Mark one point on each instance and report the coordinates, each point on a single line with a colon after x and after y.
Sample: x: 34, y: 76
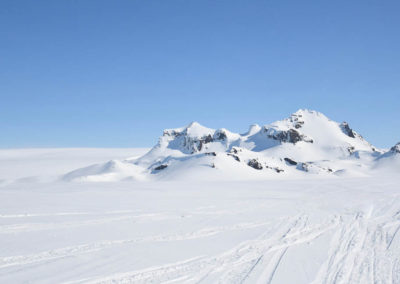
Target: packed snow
x: 206, y: 206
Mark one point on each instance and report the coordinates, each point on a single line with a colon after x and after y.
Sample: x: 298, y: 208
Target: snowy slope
x: 47, y: 164
x: 389, y: 162
x: 306, y: 143
x: 338, y: 230
x: 321, y: 231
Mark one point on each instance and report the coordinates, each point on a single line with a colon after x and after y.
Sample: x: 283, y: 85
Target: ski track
x: 28, y: 227
x: 26, y: 215
x: 363, y: 249
x: 87, y: 248
x: 232, y: 266
x: 361, y: 252
x: 145, y: 217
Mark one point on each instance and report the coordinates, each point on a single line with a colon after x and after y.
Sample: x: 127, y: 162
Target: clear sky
x: 116, y: 73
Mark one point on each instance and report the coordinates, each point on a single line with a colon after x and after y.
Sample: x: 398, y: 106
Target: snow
x: 301, y: 200
x: 26, y: 165
x: 319, y: 229
x: 317, y: 145
x: 112, y: 170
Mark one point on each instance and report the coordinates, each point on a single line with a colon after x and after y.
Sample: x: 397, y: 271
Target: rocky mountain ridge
x: 307, y: 142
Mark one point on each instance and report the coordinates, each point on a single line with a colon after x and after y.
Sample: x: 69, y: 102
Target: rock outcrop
x: 395, y: 148
x: 347, y: 130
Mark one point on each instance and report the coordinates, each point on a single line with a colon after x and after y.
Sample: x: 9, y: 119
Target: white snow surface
x: 47, y: 164
x: 319, y: 229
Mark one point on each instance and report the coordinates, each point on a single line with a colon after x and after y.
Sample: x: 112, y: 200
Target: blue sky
x: 116, y: 73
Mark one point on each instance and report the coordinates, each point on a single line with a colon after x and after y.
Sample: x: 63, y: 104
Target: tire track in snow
x: 232, y: 266
x: 88, y: 248
x: 27, y: 215
x: 29, y: 227
x: 280, y: 256
x: 361, y: 251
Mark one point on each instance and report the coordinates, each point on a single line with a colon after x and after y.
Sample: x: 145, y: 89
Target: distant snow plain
x: 310, y: 230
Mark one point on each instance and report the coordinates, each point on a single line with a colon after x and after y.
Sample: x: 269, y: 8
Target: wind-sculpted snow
x: 315, y: 144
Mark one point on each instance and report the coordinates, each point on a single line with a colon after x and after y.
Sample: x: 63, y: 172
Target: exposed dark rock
x: 276, y: 169
x: 211, y: 154
x: 255, y: 164
x: 208, y: 139
x: 298, y: 123
x: 161, y: 167
x: 347, y: 130
x: 172, y: 133
x: 351, y: 150
x: 290, y: 162
x: 202, y: 141
x: 290, y: 136
x: 306, y: 167
x: 395, y: 148
x: 220, y: 135
x: 303, y: 167
x: 235, y: 150
x: 295, y: 117
x: 234, y: 156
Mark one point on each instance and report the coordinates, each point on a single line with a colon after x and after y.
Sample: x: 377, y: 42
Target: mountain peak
x: 254, y: 128
x: 195, y: 129
x: 194, y: 124
x: 305, y: 142
x: 307, y: 111
x: 395, y: 148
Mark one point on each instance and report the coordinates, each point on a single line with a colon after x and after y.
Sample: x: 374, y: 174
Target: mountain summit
x: 307, y: 142
x: 395, y: 148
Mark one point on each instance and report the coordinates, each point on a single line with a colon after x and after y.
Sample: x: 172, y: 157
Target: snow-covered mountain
x: 395, y: 149
x: 305, y: 143
x: 389, y: 162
